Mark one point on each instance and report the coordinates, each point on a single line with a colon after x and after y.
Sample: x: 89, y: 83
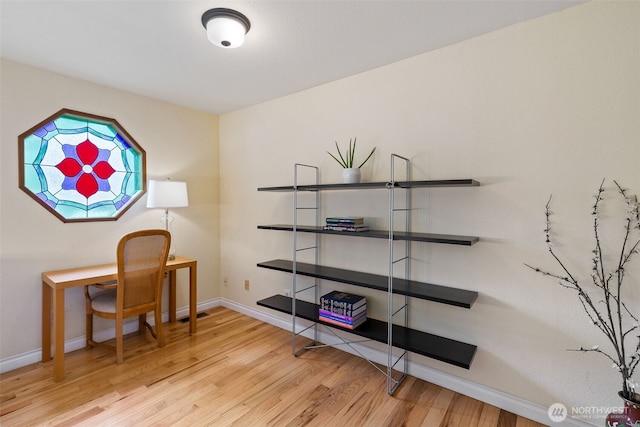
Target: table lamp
x: 167, y: 194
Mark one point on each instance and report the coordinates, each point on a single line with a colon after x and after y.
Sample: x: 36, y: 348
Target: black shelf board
x: 374, y: 185
x: 436, y: 347
x: 450, y: 239
x: 437, y: 293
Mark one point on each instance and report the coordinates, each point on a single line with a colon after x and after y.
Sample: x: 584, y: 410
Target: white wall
x: 550, y: 106
x: 32, y: 240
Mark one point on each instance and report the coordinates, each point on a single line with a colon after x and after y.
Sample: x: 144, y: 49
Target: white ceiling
x: 159, y: 48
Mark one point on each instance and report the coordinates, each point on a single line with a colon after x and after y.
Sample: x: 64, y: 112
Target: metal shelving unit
x: 400, y: 312
x: 314, y: 207
x: 394, y: 331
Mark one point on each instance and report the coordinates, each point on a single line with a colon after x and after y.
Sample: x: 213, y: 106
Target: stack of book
x: 346, y: 223
x: 343, y: 309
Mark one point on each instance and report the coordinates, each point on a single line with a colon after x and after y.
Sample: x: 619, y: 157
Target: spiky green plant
x: 347, y: 161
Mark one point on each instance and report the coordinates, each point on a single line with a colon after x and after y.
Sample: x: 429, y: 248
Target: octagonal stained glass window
x: 81, y: 167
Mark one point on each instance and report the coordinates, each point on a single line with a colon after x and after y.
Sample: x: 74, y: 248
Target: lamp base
x: 168, y: 223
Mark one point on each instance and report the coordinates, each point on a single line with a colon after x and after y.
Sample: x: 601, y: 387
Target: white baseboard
x: 77, y: 343
x: 480, y: 392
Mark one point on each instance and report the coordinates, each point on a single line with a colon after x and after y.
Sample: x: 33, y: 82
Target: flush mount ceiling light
x: 225, y: 27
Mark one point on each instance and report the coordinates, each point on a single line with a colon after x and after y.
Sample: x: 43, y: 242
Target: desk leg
x: 193, y: 300
x: 172, y: 296
x: 58, y: 324
x: 46, y: 322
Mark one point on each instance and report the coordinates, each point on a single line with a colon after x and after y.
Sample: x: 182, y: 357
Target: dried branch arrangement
x: 602, y: 297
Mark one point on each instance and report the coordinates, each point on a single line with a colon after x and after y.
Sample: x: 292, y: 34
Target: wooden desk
x: 55, y: 282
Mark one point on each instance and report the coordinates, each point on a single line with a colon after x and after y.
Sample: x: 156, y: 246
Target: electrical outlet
x: 226, y: 282
x: 246, y: 285
x: 287, y: 292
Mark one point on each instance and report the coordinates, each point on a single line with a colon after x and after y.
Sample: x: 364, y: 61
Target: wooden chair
x: 142, y: 256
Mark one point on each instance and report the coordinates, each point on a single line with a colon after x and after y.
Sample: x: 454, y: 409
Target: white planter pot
x: 351, y: 175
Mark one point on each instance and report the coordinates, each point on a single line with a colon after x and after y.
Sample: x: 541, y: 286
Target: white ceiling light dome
x: 226, y: 28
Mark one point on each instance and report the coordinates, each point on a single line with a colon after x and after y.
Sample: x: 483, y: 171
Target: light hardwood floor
x: 235, y: 371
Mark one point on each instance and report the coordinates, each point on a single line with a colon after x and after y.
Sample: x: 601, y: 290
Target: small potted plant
x: 608, y: 307
x: 350, y: 174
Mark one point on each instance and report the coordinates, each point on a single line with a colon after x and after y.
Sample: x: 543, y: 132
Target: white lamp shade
x: 227, y: 32
x: 167, y: 194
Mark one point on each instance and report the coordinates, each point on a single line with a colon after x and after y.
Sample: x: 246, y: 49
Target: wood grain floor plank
x: 489, y: 416
x: 236, y: 371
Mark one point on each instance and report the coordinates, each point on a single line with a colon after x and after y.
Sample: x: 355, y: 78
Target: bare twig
x: 616, y: 314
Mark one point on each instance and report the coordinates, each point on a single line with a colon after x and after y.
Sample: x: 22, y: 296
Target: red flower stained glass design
x: 86, y: 173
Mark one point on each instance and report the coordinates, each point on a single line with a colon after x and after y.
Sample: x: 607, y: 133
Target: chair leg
x: 89, y: 330
x: 142, y: 319
x: 159, y: 332
x: 119, y: 341
x: 88, y: 333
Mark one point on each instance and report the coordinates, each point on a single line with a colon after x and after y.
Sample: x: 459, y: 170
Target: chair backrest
x: 142, y: 256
